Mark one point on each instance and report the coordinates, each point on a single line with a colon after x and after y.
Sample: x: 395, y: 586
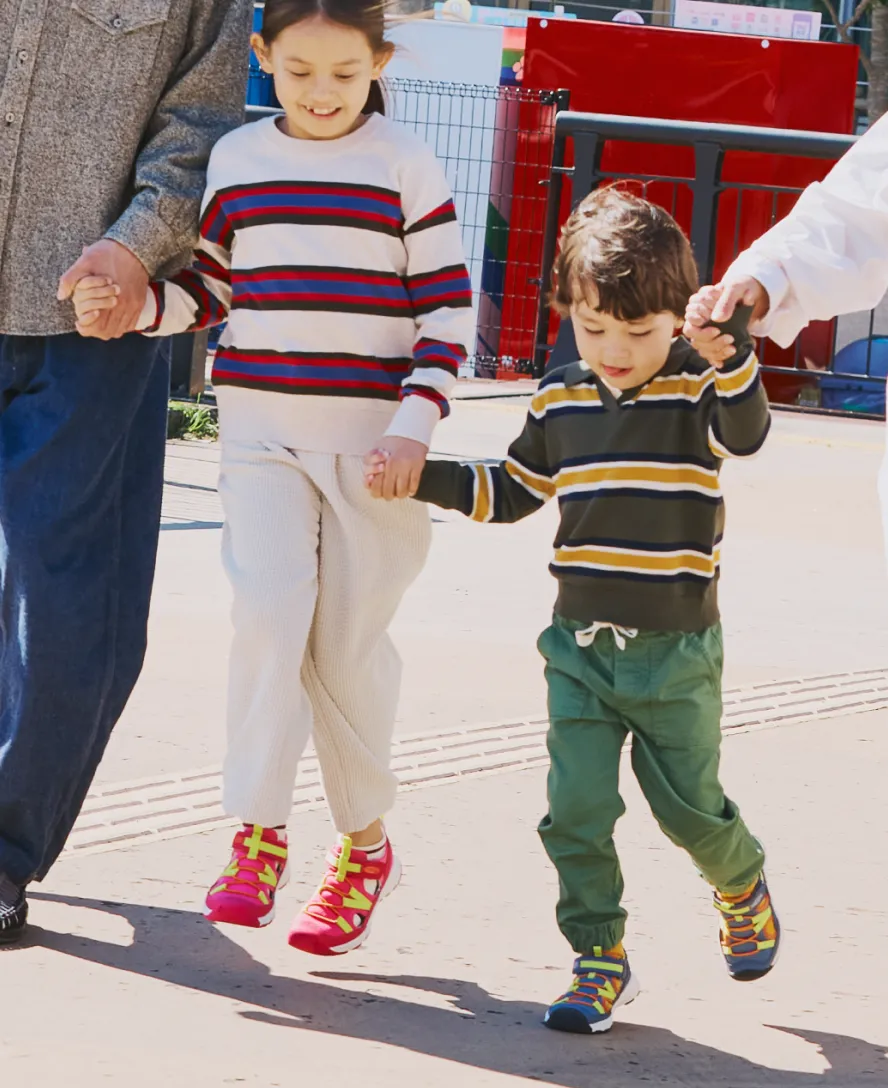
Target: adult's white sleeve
x: 829, y: 256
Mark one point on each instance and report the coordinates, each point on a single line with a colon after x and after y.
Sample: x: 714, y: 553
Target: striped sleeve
x: 740, y: 418
x: 440, y: 293
x: 199, y: 296
x: 504, y: 492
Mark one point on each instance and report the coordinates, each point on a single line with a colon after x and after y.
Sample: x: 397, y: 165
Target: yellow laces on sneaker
x: 598, y: 981
x: 746, y: 929
x: 247, y: 884
x: 337, y: 884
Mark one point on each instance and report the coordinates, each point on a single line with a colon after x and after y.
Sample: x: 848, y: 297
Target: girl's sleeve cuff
x: 148, y: 316
x: 416, y: 418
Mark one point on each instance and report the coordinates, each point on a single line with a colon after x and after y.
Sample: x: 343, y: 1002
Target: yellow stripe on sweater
x: 737, y: 381
x: 483, y: 508
x: 557, y: 396
x: 678, y: 387
x: 645, y: 474
x: 541, y: 487
x: 632, y: 561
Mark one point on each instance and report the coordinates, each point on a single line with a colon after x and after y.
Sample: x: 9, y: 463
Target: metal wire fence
x: 495, y: 144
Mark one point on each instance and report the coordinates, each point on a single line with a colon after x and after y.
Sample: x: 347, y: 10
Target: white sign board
x: 447, y: 51
x: 746, y: 19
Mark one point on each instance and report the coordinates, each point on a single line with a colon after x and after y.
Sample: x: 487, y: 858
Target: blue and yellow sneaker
x: 602, y: 982
x: 750, y: 932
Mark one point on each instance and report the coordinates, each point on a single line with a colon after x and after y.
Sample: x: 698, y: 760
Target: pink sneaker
x: 337, y: 918
x: 244, y: 893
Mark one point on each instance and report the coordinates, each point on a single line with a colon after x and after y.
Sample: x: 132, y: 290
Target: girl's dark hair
x: 631, y: 251
x: 368, y: 16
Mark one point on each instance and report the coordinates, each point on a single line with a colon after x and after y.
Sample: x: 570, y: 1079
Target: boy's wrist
x: 737, y: 326
x: 435, y: 482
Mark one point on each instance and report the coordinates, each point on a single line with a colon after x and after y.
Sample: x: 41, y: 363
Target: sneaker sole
x: 574, y: 1022
x: 390, y: 886
x: 260, y: 923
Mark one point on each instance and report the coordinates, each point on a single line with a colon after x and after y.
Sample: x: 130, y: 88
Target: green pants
x: 663, y: 689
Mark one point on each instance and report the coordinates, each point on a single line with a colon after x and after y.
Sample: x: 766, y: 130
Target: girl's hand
x: 374, y: 465
x: 120, y: 268
x: 92, y: 295
x: 397, y: 476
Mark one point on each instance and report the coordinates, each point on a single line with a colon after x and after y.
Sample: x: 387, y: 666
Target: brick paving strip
x: 165, y: 807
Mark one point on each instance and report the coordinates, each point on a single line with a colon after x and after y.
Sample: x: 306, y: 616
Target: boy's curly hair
x: 631, y: 251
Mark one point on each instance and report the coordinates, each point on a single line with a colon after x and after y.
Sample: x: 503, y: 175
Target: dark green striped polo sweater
x: 637, y: 482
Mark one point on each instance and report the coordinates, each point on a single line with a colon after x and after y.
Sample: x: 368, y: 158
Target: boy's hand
x: 393, y: 471
x: 718, y: 304
x: 709, y: 342
x: 92, y: 295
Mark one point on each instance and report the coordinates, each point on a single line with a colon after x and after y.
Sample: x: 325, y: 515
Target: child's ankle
x: 738, y: 897
x: 371, y: 838
x: 616, y: 951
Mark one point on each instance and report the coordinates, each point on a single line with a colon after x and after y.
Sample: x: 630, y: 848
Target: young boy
x: 630, y: 440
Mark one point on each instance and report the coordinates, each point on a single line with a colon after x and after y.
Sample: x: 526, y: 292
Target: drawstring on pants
x: 587, y: 636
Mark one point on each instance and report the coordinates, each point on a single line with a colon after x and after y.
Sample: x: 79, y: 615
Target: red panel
x: 691, y: 76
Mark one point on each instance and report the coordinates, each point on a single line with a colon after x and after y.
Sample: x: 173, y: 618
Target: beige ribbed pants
x: 318, y: 567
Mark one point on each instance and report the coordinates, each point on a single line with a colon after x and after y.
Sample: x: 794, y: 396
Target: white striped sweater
x: 339, y: 268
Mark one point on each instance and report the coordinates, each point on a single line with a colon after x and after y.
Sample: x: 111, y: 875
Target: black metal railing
x: 828, y: 368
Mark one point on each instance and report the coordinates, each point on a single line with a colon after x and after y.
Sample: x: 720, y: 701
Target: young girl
x: 329, y: 241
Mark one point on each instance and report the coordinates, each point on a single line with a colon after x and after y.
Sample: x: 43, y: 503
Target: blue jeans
x: 82, y: 432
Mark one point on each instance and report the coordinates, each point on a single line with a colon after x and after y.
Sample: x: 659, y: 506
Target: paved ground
x: 123, y: 983
x: 804, y: 591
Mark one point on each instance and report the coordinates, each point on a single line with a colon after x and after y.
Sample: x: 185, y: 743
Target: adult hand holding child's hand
x: 122, y: 270
x: 93, y: 296
x: 393, y: 471
x: 717, y: 304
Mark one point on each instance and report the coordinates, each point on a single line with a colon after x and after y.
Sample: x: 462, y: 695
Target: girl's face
x: 322, y: 74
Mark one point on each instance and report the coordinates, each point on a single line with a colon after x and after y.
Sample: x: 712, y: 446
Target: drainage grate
x: 186, y: 804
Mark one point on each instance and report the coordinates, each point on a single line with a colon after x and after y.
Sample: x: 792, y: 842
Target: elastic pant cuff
x: 740, y: 885
x: 585, y: 939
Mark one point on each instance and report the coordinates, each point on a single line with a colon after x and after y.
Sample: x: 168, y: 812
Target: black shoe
x: 13, y: 912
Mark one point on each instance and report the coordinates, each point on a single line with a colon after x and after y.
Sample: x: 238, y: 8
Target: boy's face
x: 625, y: 354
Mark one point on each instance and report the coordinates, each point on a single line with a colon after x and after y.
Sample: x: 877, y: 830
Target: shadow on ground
x: 476, y: 1029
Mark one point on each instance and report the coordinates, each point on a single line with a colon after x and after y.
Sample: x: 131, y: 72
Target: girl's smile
x: 323, y: 72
